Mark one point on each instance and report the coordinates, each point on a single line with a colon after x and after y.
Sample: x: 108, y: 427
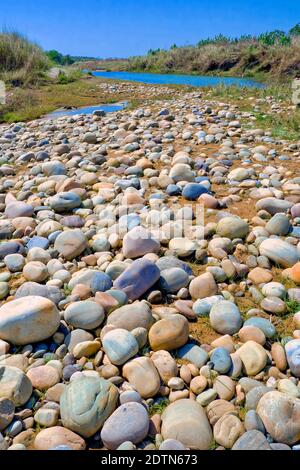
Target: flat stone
x: 252, y: 440
x: 58, y: 436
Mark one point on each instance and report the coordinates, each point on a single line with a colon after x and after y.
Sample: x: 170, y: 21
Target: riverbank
x: 27, y: 104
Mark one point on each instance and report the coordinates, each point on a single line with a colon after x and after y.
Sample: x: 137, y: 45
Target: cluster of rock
x: 127, y: 323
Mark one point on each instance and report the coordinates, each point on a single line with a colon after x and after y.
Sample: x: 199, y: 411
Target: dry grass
x: 245, y: 57
x: 21, y: 61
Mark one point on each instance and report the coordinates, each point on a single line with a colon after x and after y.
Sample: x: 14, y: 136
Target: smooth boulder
x: 28, y: 320
x: 86, y: 403
x: 186, y: 421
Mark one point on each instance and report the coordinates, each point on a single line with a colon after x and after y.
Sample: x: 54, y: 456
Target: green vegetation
x: 213, y: 445
x: 158, y: 407
x: 58, y: 58
x: 292, y: 307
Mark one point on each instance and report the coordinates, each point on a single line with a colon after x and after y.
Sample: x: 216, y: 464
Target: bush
x: 59, y: 58
x: 68, y: 77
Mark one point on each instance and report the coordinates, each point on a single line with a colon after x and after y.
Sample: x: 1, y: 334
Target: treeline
x: 276, y: 52
x: 60, y: 59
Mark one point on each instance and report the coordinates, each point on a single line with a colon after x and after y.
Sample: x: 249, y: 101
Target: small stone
x: 142, y: 374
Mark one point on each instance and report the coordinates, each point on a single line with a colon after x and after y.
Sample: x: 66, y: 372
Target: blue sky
x: 119, y: 28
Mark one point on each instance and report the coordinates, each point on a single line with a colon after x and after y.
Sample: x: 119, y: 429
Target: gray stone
x: 252, y: 440
x: 85, y: 314
x: 130, y: 422
x: 120, y: 346
x: 225, y: 318
x: 14, y: 385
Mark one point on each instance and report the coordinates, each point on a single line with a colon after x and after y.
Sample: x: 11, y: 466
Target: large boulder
x: 86, y: 403
x: 28, y: 320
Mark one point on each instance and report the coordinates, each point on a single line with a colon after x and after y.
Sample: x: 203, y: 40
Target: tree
x: 59, y: 58
x: 295, y: 31
x: 274, y: 37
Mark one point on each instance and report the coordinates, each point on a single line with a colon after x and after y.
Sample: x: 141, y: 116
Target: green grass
x: 213, y: 445
x: 158, y: 407
x: 283, y: 126
x: 67, y: 290
x: 242, y: 412
x: 292, y: 307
